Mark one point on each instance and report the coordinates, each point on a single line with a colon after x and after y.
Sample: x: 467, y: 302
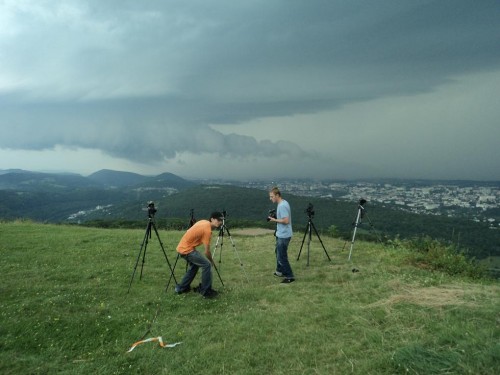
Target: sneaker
x: 287, y: 281
x: 181, y: 291
x: 210, y: 293
x: 277, y: 274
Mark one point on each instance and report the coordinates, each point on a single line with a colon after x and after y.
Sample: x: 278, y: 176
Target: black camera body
x: 362, y: 207
x: 309, y: 210
x: 271, y: 214
x: 151, y: 209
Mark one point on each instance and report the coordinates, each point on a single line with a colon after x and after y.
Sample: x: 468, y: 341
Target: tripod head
x: 224, y: 215
x: 192, y: 220
x: 361, y: 207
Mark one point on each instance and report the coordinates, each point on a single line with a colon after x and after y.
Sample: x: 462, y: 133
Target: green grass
x: 65, y: 309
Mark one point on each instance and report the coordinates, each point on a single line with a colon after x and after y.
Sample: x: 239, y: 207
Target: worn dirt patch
x: 252, y: 231
x: 444, y: 295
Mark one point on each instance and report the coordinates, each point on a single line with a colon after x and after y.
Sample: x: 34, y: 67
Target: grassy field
x: 66, y: 309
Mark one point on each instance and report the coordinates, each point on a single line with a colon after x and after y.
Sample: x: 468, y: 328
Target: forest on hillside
x: 249, y: 207
x: 126, y: 207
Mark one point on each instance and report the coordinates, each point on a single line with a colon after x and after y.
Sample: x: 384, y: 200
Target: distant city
x: 477, y: 201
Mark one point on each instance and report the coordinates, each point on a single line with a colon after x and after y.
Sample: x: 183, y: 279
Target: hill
x: 66, y: 308
x: 57, y: 198
x: 117, y: 179
x: 168, y: 179
x: 47, y: 182
x: 110, y: 178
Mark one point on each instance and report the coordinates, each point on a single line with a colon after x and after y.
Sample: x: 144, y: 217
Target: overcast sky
x: 252, y: 89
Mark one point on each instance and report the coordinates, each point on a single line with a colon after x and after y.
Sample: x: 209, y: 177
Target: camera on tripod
x: 151, y: 209
x: 362, y: 207
x: 271, y: 214
x: 309, y: 210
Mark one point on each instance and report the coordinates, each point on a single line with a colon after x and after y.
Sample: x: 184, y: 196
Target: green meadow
x: 66, y: 308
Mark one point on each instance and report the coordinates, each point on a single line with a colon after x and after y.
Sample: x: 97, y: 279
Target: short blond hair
x: 276, y: 191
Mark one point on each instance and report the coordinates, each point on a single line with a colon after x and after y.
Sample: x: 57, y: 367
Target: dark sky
x: 249, y: 89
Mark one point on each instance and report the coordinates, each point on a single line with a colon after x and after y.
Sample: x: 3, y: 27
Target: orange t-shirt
x: 199, y: 233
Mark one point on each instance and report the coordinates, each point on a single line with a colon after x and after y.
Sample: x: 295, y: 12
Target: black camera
x: 271, y: 214
x: 151, y: 209
x: 310, y: 210
x: 362, y: 207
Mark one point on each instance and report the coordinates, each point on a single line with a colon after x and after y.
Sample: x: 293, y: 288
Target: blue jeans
x: 195, y: 261
x: 282, y: 263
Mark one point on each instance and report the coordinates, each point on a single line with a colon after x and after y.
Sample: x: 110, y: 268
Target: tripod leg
x: 309, y: 238
x: 319, y: 238
x: 144, y: 257
x: 354, y: 232
x: 143, y: 246
x: 221, y: 247
x: 353, y: 225
x: 236, y: 252
x: 221, y: 239
x: 345, y: 243
x: 172, y: 274
x: 373, y: 228
x: 218, y: 274
x: 303, y: 239
x: 164, y: 253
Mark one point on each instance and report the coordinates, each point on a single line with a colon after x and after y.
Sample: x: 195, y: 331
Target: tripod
x: 144, y: 245
x: 308, y: 232
x: 192, y: 220
x: 357, y: 222
x: 223, y: 228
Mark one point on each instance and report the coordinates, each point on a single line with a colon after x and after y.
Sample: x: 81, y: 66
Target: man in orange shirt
x: 199, y: 233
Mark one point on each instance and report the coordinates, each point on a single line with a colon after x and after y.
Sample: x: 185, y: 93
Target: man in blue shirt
x: 283, y: 234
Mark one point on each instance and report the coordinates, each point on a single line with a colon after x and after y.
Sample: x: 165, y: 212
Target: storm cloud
x: 154, y: 80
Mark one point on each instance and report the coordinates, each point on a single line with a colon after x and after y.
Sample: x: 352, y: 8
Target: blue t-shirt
x: 283, y: 210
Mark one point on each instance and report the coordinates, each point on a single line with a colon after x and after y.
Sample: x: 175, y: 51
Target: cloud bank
x: 155, y: 80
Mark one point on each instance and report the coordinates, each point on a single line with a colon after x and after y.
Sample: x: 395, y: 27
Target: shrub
x: 440, y: 256
x: 333, y: 231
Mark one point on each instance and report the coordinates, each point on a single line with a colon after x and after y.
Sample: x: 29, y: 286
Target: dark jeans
x: 196, y: 261
x: 282, y: 263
